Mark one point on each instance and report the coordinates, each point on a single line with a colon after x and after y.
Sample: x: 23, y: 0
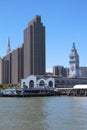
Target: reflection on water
x: 43, y: 113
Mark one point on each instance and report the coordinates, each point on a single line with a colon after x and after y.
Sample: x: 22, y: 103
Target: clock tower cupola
x: 74, y: 62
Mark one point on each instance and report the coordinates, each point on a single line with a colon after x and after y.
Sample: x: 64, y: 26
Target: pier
x: 77, y: 90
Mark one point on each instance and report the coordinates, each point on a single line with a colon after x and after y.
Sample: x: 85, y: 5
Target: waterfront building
x: 8, y: 58
x: 35, y: 81
x: 14, y: 70
x: 38, y: 81
x: 28, y: 58
x: 74, y: 62
x: 1, y: 70
x: 34, y: 48
x: 17, y: 65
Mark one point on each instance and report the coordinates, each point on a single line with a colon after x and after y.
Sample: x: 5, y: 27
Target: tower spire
x: 74, y: 62
x: 8, y: 49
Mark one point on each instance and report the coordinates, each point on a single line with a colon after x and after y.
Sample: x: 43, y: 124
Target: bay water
x: 43, y: 113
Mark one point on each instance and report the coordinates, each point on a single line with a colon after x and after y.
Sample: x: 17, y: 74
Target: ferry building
x: 58, y: 79
x: 74, y: 63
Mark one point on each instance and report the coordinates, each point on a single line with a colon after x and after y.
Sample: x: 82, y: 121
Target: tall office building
x: 17, y: 65
x: 8, y: 58
x: 3, y: 71
x: 34, y: 48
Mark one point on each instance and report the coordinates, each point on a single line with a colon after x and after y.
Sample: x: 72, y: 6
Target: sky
x: 65, y: 22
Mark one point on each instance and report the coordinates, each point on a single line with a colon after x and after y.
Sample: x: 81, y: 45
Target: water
x: 43, y: 113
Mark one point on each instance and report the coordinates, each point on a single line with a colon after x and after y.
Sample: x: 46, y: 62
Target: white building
x: 74, y: 63
x: 37, y: 81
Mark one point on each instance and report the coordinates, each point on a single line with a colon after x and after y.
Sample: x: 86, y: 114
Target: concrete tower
x: 8, y: 49
x: 34, y: 48
x: 74, y: 62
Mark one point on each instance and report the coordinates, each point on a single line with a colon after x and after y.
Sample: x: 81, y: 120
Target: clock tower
x: 74, y: 63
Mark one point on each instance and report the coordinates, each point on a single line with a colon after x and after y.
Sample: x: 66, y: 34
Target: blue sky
x: 65, y: 21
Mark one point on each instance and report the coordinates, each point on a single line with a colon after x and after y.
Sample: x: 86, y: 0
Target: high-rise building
x: 17, y: 65
x: 34, y: 48
x: 8, y: 58
x: 3, y: 71
x: 27, y: 59
x: 60, y: 71
x: 74, y: 62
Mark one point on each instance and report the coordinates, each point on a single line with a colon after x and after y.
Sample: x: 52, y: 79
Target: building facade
x: 83, y: 72
x: 35, y: 81
x: 27, y: 59
x: 1, y: 70
x: 4, y: 64
x: 60, y: 71
x: 34, y: 48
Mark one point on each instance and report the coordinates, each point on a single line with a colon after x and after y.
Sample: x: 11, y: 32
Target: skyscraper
x: 27, y: 59
x: 3, y: 71
x: 17, y: 65
x: 34, y: 48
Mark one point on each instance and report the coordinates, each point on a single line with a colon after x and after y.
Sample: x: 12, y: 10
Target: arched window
x: 42, y: 83
x: 31, y: 84
x: 50, y: 84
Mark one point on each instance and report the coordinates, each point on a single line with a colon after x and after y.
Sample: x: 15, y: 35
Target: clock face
x: 72, y: 68
x: 72, y: 57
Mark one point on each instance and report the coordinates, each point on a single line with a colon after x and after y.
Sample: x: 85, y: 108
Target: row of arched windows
x: 41, y: 84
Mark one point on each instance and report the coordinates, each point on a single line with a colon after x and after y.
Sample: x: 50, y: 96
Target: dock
x: 77, y: 90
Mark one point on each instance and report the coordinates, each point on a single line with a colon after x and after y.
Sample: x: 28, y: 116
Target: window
x: 42, y: 83
x: 31, y: 84
x: 50, y: 84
